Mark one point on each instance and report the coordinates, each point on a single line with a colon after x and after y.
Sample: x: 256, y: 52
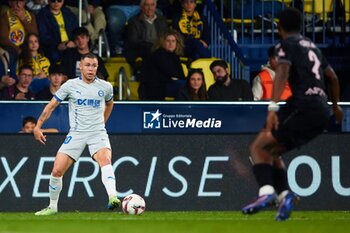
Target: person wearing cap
x: 56, y: 79
x: 71, y: 57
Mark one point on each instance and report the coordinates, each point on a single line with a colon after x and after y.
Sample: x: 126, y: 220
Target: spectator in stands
x: 195, y: 29
x: 226, y: 88
x: 162, y: 74
x: 97, y: 16
x: 56, y: 23
x: 118, y: 13
x: 143, y: 31
x: 71, y: 57
x: 32, y: 55
x: 163, y: 7
x: 195, y: 88
x: 29, y: 123
x: 36, y: 5
x: 8, y: 75
x: 15, y: 24
x: 176, y: 7
x: 263, y: 82
x: 56, y: 79
x: 20, y: 91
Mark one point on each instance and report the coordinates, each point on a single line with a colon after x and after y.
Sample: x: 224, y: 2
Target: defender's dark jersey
x: 306, y: 68
x: 306, y: 113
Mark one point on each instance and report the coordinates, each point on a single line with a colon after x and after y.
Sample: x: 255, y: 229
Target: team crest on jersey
x: 101, y: 93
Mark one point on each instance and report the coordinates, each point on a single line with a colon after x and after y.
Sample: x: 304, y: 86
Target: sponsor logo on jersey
x: 89, y: 102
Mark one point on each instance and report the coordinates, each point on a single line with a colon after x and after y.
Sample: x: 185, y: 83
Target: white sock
x: 266, y: 190
x: 55, y: 187
x: 282, y: 195
x: 108, y: 180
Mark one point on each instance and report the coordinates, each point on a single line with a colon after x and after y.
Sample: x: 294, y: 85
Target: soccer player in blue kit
x: 90, y: 105
x: 304, y: 116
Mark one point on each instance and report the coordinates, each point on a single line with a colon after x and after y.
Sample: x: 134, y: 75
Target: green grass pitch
x: 169, y: 222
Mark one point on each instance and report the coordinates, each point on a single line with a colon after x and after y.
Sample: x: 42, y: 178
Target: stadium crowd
x: 37, y: 34
x: 42, y: 46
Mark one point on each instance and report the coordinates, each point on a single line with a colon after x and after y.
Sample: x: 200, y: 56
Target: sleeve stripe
x: 57, y: 98
x: 110, y: 99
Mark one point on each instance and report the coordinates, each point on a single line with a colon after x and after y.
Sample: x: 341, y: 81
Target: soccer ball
x: 133, y: 204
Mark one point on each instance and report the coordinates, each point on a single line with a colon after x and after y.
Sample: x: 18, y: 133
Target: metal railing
x: 123, y: 85
x: 223, y: 45
x: 83, y: 4
x: 103, y: 44
x: 255, y: 20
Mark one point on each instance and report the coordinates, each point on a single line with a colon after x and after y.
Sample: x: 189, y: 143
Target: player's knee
x: 103, y: 159
x: 57, y: 173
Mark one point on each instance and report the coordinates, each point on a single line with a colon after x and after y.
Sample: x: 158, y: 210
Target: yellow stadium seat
x: 288, y: 2
x: 328, y: 7
x: 184, y: 63
x: 184, y: 68
x: 113, y: 66
x: 346, y: 4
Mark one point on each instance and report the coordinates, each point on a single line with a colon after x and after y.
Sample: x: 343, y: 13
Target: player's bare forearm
x: 281, y: 79
x: 45, y: 115
x: 49, y: 108
x: 108, y: 110
x: 331, y: 75
x: 334, y: 83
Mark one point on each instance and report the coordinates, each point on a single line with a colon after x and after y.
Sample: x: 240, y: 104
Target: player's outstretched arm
x: 45, y: 115
x: 108, y: 109
x: 281, y: 79
x: 334, y: 89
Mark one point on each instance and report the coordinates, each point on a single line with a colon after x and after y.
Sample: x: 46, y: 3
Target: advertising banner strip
x: 174, y: 172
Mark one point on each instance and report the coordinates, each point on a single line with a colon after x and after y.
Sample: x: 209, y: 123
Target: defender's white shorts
x: 75, y: 143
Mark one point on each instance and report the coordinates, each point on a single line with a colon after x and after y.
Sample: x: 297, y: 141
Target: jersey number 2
x: 316, y: 67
